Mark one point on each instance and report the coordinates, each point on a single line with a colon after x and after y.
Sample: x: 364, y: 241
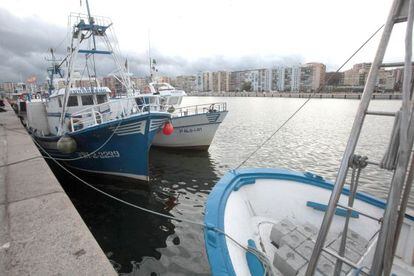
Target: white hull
x: 192, y: 131
x: 252, y: 209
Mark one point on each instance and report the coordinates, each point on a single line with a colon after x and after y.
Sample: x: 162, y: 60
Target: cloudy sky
x: 191, y: 35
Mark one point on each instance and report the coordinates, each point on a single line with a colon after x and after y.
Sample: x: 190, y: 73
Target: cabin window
x: 173, y: 100
x: 101, y: 98
x: 60, y: 101
x: 87, y: 99
x: 73, y: 101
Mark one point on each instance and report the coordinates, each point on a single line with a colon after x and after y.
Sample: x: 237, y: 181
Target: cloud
x: 25, y: 43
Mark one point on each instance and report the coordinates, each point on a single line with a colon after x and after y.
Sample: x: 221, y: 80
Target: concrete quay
x: 336, y: 95
x: 41, y: 233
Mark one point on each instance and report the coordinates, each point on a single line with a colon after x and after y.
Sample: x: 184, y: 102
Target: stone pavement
x: 41, y: 233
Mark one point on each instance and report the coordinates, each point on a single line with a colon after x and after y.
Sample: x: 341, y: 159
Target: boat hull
x: 194, y: 132
x: 119, y: 148
x: 247, y: 204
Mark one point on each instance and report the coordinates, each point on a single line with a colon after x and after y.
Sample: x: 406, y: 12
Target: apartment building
x: 186, y: 83
x: 221, y: 81
x: 312, y: 77
x: 207, y: 81
x: 199, y: 82
x: 387, y: 79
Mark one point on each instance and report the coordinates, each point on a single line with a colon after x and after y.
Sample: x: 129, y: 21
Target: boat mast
x: 74, y: 49
x: 149, y: 55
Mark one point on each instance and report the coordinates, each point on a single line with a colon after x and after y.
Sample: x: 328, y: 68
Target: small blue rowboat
x: 277, y: 213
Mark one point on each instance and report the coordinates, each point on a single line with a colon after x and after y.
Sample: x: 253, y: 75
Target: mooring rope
x: 261, y: 257
x: 307, y: 100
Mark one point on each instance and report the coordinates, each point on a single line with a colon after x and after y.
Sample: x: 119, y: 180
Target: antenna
x: 149, y: 54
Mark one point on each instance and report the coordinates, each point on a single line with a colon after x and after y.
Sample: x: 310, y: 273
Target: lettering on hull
x: 100, y: 154
x: 191, y: 130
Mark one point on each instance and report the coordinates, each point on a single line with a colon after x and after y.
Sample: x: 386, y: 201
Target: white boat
x: 194, y: 127
x: 280, y: 222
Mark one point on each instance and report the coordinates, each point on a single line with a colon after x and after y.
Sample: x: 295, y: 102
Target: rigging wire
x: 257, y: 253
x: 261, y: 256
x: 307, y: 100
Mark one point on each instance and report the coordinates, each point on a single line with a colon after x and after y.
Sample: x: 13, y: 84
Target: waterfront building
x: 111, y: 83
x: 250, y: 80
x: 388, y: 80
x: 8, y: 87
x: 291, y: 79
x: 312, y: 76
x: 186, y: 83
x: 141, y: 82
x: 221, y: 81
x: 207, y: 81
x: 164, y: 79
x: 334, y: 78
x: 284, y: 79
x: 199, y: 82
x: 235, y: 81
x: 357, y: 75
x: 264, y: 80
x: 277, y: 79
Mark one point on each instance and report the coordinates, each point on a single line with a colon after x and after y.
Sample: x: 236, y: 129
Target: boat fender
x: 66, y: 144
x: 171, y: 109
x: 168, y: 128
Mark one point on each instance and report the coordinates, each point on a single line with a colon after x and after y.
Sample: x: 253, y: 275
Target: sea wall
x: 378, y: 96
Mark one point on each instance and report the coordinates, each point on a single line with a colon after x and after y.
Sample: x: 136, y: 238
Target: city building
x: 114, y: 85
x: 250, y: 80
x: 141, y: 82
x: 207, y: 81
x: 312, y: 77
x: 221, y: 81
x: 199, y: 82
x: 334, y: 78
x: 388, y: 80
x: 186, y: 83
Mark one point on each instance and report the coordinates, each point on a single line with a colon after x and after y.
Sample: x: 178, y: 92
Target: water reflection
x: 138, y: 243
x: 142, y: 244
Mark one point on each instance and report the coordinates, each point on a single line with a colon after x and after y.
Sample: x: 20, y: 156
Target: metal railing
x: 108, y: 111
x: 200, y: 109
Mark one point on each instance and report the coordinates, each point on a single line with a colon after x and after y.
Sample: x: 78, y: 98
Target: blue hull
x: 123, y: 146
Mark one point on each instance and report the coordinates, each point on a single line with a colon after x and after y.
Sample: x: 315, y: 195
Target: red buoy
x: 168, y: 128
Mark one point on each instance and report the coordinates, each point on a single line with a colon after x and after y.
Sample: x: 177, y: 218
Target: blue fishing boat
x: 281, y: 222
x: 78, y: 124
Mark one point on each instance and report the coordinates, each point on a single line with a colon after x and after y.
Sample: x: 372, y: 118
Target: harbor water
x: 139, y: 243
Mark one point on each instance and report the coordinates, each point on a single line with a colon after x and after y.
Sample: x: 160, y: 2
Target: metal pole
x: 73, y: 56
x: 403, y: 207
x: 384, y: 250
x: 351, y: 197
x: 353, y: 139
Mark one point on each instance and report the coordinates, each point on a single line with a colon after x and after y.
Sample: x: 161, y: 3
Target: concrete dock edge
x: 41, y: 233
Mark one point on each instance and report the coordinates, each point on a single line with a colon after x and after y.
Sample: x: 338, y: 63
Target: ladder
x: 401, y: 11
